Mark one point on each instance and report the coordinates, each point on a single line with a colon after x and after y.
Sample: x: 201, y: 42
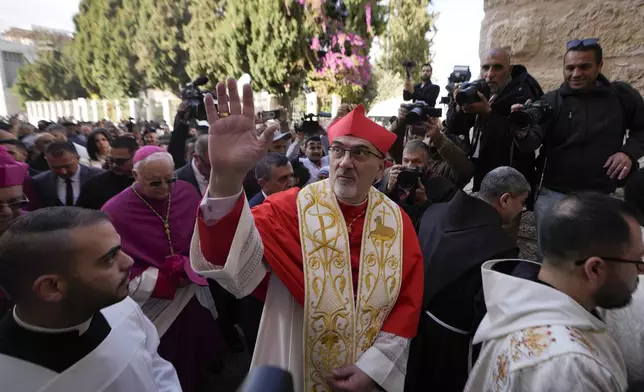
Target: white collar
x: 200, y: 177
x: 81, y: 328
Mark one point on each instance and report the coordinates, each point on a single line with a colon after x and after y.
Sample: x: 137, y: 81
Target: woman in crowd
x: 98, y: 147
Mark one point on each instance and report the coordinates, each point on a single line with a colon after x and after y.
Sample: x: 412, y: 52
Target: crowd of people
x: 134, y: 259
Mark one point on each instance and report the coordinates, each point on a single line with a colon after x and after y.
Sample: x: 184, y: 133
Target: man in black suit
x: 99, y: 189
x: 197, y: 171
x: 424, y: 91
x: 61, y: 185
x: 274, y: 174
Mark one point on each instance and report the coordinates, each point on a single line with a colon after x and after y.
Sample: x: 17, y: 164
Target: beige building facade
x: 537, y: 32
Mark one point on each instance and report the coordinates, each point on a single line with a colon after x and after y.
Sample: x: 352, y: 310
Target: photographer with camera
x: 420, y: 180
x: 580, y: 128
x: 485, y: 105
x: 424, y: 91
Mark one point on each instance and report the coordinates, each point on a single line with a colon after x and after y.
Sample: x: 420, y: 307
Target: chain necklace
x: 355, y: 219
x: 166, y: 221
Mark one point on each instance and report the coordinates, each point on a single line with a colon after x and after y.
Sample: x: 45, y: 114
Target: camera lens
x: 520, y: 120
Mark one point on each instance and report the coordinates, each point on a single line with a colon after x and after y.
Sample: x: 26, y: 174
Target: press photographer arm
x: 178, y: 137
x: 456, y: 165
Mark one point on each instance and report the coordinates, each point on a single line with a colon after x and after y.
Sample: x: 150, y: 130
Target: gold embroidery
x: 578, y: 337
x: 339, y: 328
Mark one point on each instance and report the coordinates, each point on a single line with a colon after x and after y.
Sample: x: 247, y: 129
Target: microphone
x: 267, y: 379
x: 200, y: 81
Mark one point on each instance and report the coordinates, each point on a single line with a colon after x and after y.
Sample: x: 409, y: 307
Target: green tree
x: 384, y: 84
x: 277, y: 49
x: 104, y: 47
x: 408, y: 29
x: 51, y: 77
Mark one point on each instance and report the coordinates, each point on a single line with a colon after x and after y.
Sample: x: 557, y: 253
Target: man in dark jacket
x: 582, y: 137
x: 456, y: 239
x: 424, y: 91
x: 491, y: 144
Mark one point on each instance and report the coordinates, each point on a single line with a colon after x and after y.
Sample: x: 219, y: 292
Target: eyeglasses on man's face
x: 359, y: 153
x: 15, y: 204
x: 614, y: 260
x: 158, y: 183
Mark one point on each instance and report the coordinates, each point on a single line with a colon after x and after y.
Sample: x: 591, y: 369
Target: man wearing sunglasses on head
x: 543, y: 331
x: 582, y: 133
x: 155, y: 218
x: 98, y: 190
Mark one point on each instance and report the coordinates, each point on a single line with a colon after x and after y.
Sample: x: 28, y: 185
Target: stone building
x: 537, y: 32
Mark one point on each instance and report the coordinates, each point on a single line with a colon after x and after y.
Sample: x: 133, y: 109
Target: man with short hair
x: 542, y: 331
x: 456, y: 239
x: 344, y: 259
x: 151, y: 138
x: 101, y: 188
x: 155, y: 218
x: 60, y: 133
x: 315, y: 158
x: 583, y: 138
x: 61, y: 185
x: 428, y: 189
x: 280, y: 141
x: 274, y: 174
x: 73, y: 327
x: 197, y: 170
x: 41, y: 142
x: 424, y: 91
x: 492, y: 144
x: 16, y: 148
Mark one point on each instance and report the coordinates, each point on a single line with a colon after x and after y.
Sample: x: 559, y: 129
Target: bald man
x: 491, y: 142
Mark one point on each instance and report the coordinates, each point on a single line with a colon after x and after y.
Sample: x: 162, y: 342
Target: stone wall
x: 537, y: 32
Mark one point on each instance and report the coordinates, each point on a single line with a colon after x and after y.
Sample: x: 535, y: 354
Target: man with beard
x: 98, y: 190
x: 73, y: 327
x: 542, y: 331
x: 424, y: 91
x: 346, y: 269
x: 492, y: 144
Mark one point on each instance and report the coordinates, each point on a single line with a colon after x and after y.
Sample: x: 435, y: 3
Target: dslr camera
x: 406, y: 185
x: 529, y: 116
x: 460, y: 74
x: 468, y: 92
x: 408, y: 65
x: 194, y: 96
x: 420, y: 111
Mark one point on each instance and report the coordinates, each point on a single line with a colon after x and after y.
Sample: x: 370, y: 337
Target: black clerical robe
x: 456, y: 239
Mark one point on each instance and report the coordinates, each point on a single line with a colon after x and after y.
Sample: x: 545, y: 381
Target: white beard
x: 344, y: 191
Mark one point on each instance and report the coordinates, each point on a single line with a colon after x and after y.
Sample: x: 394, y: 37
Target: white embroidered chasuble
x: 340, y: 326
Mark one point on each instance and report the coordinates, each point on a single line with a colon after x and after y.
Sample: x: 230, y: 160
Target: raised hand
x: 233, y: 145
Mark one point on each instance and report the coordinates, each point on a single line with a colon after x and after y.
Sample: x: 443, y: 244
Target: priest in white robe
x: 73, y: 327
x: 542, y: 331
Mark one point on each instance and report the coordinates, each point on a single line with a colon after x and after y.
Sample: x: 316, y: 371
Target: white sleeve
x: 213, y: 208
x: 386, y: 361
x: 293, y: 150
x: 244, y: 268
x: 164, y: 374
x: 571, y: 372
x: 142, y: 286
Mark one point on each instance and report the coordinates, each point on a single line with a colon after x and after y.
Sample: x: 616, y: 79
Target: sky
x: 455, y: 43
x: 457, y: 39
x: 56, y: 14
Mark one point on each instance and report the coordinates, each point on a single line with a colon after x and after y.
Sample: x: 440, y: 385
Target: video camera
x: 420, y: 111
x: 310, y: 124
x: 194, y: 96
x: 529, y: 116
x: 460, y: 74
x: 468, y: 92
x: 408, y: 66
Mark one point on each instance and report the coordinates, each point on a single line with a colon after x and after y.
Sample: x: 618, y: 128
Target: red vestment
x: 277, y: 222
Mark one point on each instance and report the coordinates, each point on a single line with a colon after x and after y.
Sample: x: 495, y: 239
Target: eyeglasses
x: 582, y: 43
x: 118, y: 161
x: 359, y: 154
x: 157, y: 183
x: 614, y: 260
x: 15, y: 205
